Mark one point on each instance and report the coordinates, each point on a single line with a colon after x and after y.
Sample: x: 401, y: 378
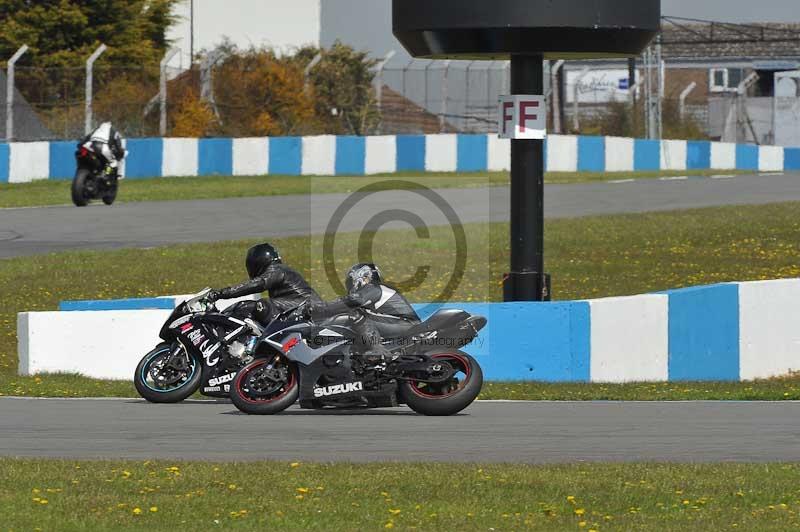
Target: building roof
x: 692, y: 39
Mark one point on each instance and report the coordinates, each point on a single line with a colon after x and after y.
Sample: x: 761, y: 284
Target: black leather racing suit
x: 286, y: 288
x: 376, y: 312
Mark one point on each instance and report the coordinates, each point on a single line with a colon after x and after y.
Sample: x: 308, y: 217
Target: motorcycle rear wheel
x: 153, y: 393
x: 79, y: 188
x: 111, y: 195
x: 447, y: 398
x: 255, y: 390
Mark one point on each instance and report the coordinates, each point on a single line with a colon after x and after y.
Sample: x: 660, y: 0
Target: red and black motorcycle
x: 94, y: 178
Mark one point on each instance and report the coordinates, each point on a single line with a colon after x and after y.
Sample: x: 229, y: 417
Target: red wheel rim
x: 465, y: 368
x: 288, y: 387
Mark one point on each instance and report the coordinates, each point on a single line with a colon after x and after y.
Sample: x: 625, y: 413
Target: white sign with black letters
x: 522, y: 116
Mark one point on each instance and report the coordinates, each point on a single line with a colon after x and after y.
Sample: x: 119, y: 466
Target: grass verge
x: 68, y: 495
x: 215, y: 187
x: 590, y: 257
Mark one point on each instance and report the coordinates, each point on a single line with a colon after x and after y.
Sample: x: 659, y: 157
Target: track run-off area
x: 486, y: 432
x: 28, y: 231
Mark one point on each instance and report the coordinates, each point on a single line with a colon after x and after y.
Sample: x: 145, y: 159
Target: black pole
x: 527, y: 281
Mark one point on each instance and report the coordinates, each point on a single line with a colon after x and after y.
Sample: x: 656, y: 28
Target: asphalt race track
x: 527, y: 432
x: 29, y: 231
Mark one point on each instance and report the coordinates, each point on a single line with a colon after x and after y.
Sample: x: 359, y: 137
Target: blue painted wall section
x: 285, y: 155
x: 62, y: 159
x: 351, y: 155
x: 704, y: 333
x: 646, y: 154
x: 591, y: 154
x: 698, y: 155
x: 472, y: 153
x: 145, y: 158
x: 410, y: 153
x: 4, y: 161
x: 215, y: 157
x: 791, y: 160
x: 746, y: 157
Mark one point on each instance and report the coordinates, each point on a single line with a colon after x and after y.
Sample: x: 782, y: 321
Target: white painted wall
x: 180, y: 157
x: 723, y: 156
x: 271, y: 23
x: 629, y: 339
x: 29, y: 161
x: 769, y: 328
x: 499, y: 156
x: 319, y: 155
x: 619, y: 154
x: 381, y: 155
x: 673, y: 155
x: 251, y: 156
x: 102, y: 345
x: 441, y: 153
x: 562, y: 153
x: 770, y: 158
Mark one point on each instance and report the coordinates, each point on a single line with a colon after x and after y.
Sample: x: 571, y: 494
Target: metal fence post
x: 465, y: 120
x: 162, y: 90
x: 89, y: 75
x: 554, y: 100
x: 378, y: 82
x: 442, y: 121
x: 10, y: 92
x: 427, y: 67
x: 576, y: 120
x: 686, y: 92
x: 314, y: 62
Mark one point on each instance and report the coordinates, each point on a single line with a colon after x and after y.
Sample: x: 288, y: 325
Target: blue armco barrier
x: 285, y: 155
x: 704, y: 333
x: 472, y: 153
x: 4, y: 153
x: 698, y: 155
x: 145, y: 158
x: 349, y: 155
x: 591, y: 154
x: 724, y: 332
x: 646, y: 155
x: 215, y: 157
x: 62, y: 159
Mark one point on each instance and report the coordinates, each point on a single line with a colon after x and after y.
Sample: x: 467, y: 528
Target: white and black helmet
x: 361, y: 275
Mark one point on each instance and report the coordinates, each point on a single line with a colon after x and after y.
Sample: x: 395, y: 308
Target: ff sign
x: 522, y: 117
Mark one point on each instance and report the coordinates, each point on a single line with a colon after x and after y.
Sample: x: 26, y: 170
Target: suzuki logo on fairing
x: 221, y: 380
x: 337, y: 389
x: 290, y: 344
x: 208, y: 351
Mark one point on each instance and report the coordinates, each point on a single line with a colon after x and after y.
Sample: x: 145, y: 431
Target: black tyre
x: 159, y: 383
x: 111, y: 195
x: 263, y: 390
x: 450, y: 397
x: 79, y: 188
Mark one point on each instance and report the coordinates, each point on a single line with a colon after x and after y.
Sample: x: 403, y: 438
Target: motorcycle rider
x: 106, y: 142
x: 287, y: 288
x: 375, y: 310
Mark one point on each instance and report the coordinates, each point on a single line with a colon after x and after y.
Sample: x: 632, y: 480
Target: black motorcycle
x: 203, y: 349
x: 319, y: 364
x: 94, y: 178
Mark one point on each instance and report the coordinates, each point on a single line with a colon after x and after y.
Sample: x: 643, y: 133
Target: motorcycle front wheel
x: 448, y: 397
x: 167, y: 374
x: 79, y: 188
x: 111, y: 195
x: 266, y: 386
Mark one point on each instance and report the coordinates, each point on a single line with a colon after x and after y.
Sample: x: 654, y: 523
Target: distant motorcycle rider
x: 286, y: 287
x: 106, y: 142
x: 375, y: 310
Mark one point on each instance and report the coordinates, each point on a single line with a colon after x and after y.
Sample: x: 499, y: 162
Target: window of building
x: 725, y: 79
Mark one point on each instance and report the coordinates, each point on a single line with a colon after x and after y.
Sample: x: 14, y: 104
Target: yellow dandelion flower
x: 299, y: 497
x: 302, y: 490
x: 231, y: 486
x: 294, y: 464
x: 137, y: 511
x: 582, y: 524
x: 154, y: 509
x: 579, y: 511
x: 389, y: 525
x: 570, y: 498
x: 395, y: 511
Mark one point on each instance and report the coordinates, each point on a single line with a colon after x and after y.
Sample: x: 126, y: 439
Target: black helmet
x: 361, y: 275
x: 259, y: 259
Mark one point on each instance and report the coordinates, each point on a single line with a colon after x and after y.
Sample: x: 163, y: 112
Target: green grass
x: 589, y: 257
x: 189, y: 188
x: 69, y: 495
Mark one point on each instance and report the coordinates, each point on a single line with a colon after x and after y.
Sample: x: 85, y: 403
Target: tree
x: 342, y: 83
x: 62, y: 33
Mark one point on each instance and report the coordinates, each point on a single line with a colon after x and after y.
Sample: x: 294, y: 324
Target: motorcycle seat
x: 439, y: 320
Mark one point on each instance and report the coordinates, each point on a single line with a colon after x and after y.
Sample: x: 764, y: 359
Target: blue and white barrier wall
x: 725, y: 332
x: 342, y: 155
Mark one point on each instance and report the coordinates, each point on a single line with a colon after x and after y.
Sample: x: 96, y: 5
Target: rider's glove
x: 213, y: 295
x: 311, y: 310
